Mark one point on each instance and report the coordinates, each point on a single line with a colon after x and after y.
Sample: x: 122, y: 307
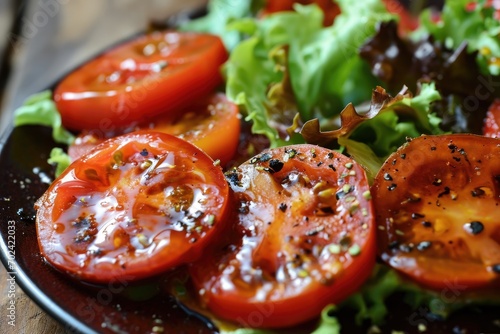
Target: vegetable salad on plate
x: 272, y: 164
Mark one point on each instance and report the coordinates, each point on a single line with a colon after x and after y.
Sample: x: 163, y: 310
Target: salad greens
x: 466, y: 21
x: 40, y: 109
x: 322, y: 65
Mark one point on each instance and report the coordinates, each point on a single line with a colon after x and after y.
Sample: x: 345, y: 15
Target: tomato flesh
x: 153, y: 74
x: 211, y: 123
x: 303, y: 237
x: 133, y: 207
x: 438, y: 211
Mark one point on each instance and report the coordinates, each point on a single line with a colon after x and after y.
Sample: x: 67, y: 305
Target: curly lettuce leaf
x: 323, y: 66
x: 467, y: 21
x: 372, y: 136
x: 40, y: 109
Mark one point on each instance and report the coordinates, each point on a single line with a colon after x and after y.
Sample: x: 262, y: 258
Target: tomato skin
x: 153, y: 74
x: 211, y: 123
x: 491, y: 127
x: 438, y: 209
x: 294, y: 244
x: 133, y: 207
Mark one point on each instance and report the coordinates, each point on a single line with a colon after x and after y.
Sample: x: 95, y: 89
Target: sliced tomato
x: 211, y: 123
x: 153, y: 74
x: 438, y: 211
x: 491, y: 127
x: 133, y: 207
x: 303, y: 238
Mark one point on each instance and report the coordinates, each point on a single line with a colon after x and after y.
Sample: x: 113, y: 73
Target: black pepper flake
x: 437, y: 182
x: 269, y: 170
x: 496, y: 268
x: 417, y: 215
x: 403, y: 156
x: 327, y: 210
x: 276, y: 165
x: 330, y: 155
x: 426, y: 223
x: 423, y: 245
x: 474, y: 227
x: 477, y: 192
x: 392, y: 187
x: 233, y: 177
x: 394, y: 161
x: 446, y: 191
x: 452, y: 147
x: 433, y: 148
x: 387, y: 177
x: 282, y: 207
x: 265, y: 157
x: 332, y: 168
x: 319, y: 163
x: 144, y: 152
x: 457, y: 159
x: 393, y: 245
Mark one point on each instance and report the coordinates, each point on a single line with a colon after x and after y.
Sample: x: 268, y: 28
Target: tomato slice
x: 133, y: 207
x: 211, y: 123
x: 438, y: 209
x: 155, y: 73
x: 491, y: 127
x: 303, y: 237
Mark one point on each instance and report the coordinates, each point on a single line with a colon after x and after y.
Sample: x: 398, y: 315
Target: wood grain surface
x: 29, y: 318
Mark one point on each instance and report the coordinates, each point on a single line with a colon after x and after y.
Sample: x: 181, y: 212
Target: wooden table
x: 29, y: 318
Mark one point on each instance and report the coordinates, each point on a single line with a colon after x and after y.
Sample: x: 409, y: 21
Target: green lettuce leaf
x: 59, y: 158
x: 328, y: 323
x: 220, y: 13
x: 40, y: 109
x: 474, y: 24
x: 323, y: 66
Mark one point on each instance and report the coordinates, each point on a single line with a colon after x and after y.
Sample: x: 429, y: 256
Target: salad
x: 275, y: 163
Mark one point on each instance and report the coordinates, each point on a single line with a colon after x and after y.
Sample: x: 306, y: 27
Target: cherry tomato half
x: 133, y: 207
x: 153, y: 74
x: 303, y: 237
x: 212, y: 124
x: 437, y: 205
